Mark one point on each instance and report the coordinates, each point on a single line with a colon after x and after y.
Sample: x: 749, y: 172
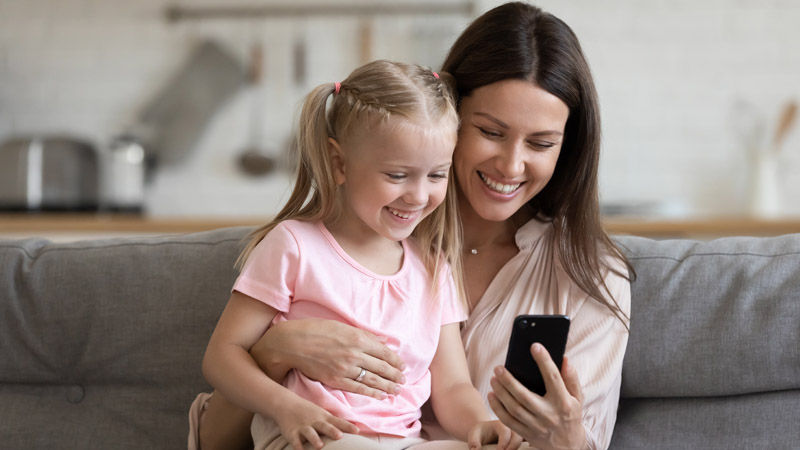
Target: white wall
x: 669, y: 75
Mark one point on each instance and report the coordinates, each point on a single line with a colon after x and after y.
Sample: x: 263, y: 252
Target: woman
x: 526, y: 170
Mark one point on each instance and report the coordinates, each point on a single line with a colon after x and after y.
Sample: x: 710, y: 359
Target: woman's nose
x: 511, y: 162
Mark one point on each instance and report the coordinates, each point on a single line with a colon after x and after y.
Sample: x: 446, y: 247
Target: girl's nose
x: 417, y: 193
x: 511, y: 163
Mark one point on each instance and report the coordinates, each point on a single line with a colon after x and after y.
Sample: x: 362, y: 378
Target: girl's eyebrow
x: 406, y: 167
x: 504, y: 125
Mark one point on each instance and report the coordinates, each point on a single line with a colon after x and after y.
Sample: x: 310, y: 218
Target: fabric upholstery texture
x: 101, y: 341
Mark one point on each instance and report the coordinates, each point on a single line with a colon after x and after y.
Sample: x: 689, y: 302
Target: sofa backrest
x: 101, y: 341
x: 713, y: 358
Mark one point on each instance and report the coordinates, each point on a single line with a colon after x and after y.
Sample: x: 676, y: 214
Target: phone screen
x: 551, y: 331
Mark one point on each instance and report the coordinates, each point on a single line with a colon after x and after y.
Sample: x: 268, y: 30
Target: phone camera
x: 523, y: 323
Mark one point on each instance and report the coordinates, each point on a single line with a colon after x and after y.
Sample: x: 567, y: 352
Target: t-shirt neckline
x: 358, y: 266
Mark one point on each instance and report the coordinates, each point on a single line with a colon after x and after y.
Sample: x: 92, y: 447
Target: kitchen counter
x: 93, y: 225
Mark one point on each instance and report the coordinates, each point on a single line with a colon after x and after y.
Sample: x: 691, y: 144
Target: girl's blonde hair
x: 372, y: 95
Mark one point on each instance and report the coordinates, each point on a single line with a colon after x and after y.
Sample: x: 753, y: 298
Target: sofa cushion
x: 754, y: 421
x: 713, y: 318
x: 101, y: 341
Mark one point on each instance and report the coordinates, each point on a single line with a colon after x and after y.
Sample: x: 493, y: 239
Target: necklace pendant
x: 474, y: 251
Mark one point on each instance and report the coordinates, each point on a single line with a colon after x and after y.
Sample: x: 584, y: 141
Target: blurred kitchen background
x: 189, y: 106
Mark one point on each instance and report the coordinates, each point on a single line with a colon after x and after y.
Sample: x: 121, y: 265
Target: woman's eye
x: 488, y: 133
x: 542, y: 144
x: 396, y: 176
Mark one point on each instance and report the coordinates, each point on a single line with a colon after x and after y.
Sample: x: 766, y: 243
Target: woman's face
x: 508, y: 144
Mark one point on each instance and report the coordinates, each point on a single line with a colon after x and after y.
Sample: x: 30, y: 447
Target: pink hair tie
x: 336, y: 86
x: 436, y: 75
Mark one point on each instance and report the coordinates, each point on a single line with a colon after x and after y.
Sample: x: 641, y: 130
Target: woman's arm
x: 332, y: 353
x: 597, y: 354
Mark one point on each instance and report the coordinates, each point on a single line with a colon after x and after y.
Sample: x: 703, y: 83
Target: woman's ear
x: 337, y: 161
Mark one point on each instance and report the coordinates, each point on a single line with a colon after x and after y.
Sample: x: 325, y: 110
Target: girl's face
x: 392, y: 176
x: 508, y: 144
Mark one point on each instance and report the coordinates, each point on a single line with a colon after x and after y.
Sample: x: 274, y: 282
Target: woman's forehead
x: 516, y: 103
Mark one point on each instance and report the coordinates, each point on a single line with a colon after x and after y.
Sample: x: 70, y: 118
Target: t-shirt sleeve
x: 270, y: 272
x: 453, y: 306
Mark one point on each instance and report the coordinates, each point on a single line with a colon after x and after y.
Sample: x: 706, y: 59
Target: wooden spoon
x: 785, y: 124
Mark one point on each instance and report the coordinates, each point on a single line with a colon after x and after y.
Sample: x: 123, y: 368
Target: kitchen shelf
x: 180, y: 13
x: 708, y: 227
x: 91, y: 224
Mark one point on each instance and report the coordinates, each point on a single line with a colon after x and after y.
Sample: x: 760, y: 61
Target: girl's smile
x: 392, y: 176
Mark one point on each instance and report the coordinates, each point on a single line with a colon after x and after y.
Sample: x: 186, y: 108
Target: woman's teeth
x: 498, y: 187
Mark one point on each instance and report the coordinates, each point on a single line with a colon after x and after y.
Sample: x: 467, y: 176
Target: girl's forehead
x: 393, y: 125
x: 403, y: 141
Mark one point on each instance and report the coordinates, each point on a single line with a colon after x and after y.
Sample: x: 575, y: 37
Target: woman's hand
x: 549, y: 422
x: 493, y: 431
x: 332, y: 353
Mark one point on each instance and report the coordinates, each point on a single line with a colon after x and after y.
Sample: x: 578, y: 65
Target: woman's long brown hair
x: 520, y: 41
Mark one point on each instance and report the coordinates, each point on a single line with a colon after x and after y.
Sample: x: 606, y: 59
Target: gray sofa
x: 101, y: 341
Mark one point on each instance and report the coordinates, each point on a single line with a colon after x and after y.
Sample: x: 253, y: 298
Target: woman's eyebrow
x: 506, y: 126
x: 493, y: 119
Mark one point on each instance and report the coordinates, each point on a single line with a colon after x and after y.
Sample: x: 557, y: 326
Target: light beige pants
x: 267, y: 436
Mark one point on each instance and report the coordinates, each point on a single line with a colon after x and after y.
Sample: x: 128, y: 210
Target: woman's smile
x: 508, y: 145
x: 496, y: 186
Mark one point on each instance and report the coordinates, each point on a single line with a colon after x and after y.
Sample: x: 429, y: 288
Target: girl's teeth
x: 399, y: 214
x: 499, y: 187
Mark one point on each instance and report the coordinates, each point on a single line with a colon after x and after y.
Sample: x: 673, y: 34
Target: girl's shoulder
x: 291, y: 233
x: 298, y: 228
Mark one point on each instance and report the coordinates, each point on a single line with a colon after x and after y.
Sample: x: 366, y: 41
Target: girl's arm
x: 457, y: 404
x: 228, y: 366
x: 324, y: 350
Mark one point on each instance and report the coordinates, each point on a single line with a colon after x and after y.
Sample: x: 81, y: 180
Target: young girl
x: 374, y: 168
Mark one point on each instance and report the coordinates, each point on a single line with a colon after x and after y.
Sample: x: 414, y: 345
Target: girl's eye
x: 488, y: 133
x: 438, y: 175
x: 396, y: 176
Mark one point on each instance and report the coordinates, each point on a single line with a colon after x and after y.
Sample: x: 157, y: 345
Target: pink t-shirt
x: 300, y: 270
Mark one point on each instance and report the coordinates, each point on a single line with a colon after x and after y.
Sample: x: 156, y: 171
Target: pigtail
x: 314, y: 175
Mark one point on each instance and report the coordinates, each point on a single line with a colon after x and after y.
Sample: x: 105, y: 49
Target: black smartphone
x: 551, y: 331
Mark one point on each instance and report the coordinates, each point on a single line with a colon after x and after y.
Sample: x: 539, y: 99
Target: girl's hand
x: 549, y: 422
x: 332, y: 353
x: 491, y: 432
x: 303, y: 421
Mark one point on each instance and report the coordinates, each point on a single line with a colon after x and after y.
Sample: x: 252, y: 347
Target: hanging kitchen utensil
x: 786, y: 122
x: 173, y: 122
x: 254, y: 160
x: 299, y: 68
x: 365, y: 49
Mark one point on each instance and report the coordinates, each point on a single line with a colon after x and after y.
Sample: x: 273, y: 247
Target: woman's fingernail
x: 498, y: 370
x: 537, y: 347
